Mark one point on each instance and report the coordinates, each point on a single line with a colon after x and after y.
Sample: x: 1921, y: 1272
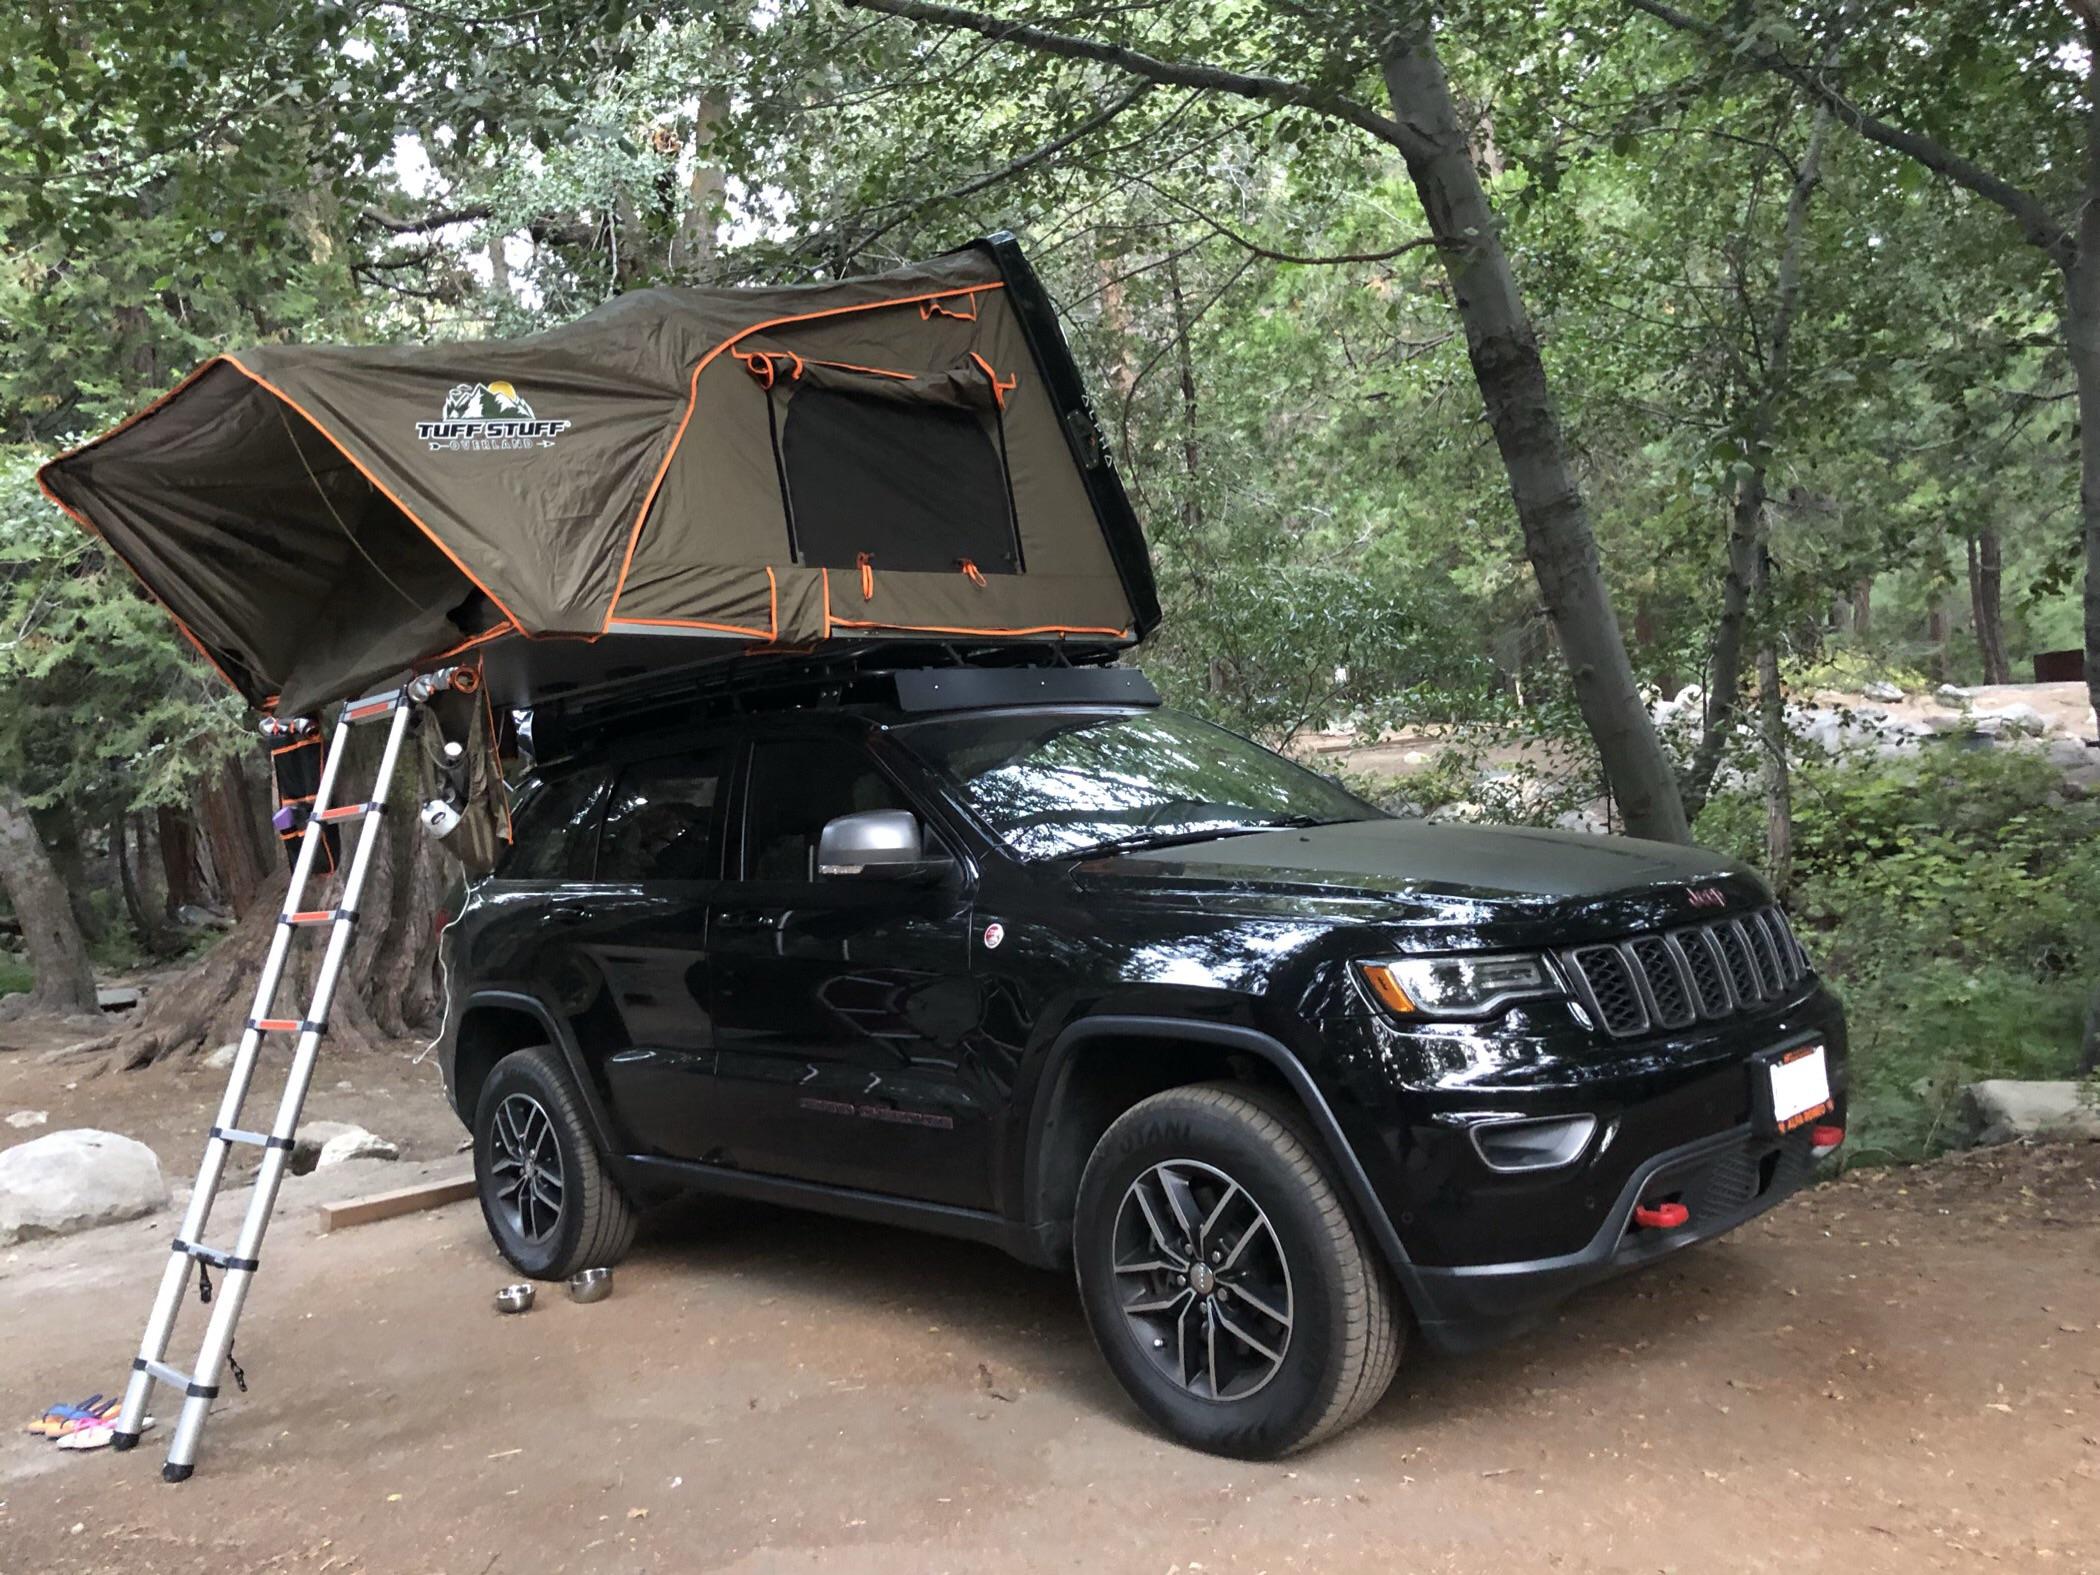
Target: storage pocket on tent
x: 902, y: 472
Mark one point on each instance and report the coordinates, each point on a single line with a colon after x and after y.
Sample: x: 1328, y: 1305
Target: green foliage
x: 15, y: 978
x: 1950, y: 901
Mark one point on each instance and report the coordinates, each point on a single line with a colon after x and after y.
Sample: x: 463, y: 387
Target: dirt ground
x: 1897, y: 1372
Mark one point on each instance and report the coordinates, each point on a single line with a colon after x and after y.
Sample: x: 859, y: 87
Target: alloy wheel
x: 525, y: 1165
x: 1202, y: 1280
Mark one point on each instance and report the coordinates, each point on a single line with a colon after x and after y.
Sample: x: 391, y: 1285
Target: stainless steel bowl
x: 592, y: 1285
x: 515, y: 1299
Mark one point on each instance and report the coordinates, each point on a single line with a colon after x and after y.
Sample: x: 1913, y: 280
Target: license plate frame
x: 1795, y: 1080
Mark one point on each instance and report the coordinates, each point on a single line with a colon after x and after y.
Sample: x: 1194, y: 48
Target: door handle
x: 748, y: 919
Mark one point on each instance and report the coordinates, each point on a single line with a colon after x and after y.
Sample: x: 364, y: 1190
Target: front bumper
x: 1723, y: 1180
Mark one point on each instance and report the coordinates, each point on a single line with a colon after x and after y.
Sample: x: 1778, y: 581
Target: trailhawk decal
x: 488, y: 416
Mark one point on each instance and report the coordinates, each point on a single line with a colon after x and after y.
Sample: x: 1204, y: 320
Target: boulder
x: 2003, y: 1110
x: 2071, y: 754
x: 76, y: 1179
x: 1882, y: 690
x: 22, y: 1120
x: 357, y: 1143
x: 220, y: 1059
x: 331, y: 1142
x: 1953, y: 694
x: 2015, y: 717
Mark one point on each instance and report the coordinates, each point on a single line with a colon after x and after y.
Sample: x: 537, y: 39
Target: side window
x: 797, y: 784
x: 552, y: 837
x: 665, y: 820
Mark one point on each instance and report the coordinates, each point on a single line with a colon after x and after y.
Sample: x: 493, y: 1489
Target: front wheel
x: 550, y: 1205
x: 1223, y: 1277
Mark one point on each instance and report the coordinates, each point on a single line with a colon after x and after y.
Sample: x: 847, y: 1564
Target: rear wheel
x: 1224, y: 1278
x: 550, y: 1205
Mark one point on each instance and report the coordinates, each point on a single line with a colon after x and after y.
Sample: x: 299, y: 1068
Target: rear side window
x: 665, y: 820
x: 551, y: 839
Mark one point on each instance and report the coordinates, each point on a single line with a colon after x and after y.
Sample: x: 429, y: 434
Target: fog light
x: 1532, y: 1142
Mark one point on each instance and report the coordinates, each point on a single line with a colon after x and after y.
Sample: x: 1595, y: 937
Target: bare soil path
x: 1897, y: 1372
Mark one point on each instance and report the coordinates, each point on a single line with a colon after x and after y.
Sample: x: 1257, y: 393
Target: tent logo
x: 488, y: 416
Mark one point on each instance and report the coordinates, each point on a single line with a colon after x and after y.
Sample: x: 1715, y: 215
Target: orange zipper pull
x: 976, y: 574
x: 867, y: 578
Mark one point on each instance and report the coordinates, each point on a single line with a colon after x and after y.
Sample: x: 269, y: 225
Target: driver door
x: 841, y: 1003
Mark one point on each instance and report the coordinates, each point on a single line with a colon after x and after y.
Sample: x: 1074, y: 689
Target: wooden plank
x: 402, y: 1200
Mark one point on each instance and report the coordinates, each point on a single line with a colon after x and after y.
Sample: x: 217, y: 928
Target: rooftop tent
x: 679, y: 474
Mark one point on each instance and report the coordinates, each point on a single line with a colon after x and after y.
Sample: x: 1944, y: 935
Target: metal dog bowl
x: 592, y: 1285
x: 515, y: 1298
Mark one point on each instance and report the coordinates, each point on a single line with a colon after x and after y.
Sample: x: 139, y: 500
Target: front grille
x: 1671, y: 979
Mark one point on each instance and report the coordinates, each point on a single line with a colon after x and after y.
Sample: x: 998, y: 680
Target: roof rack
x: 562, y: 719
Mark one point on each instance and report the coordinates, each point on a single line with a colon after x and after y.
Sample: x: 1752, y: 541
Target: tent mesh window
x: 917, y: 488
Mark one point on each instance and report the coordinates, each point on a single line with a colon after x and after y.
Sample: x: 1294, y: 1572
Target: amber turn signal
x: 1379, y: 978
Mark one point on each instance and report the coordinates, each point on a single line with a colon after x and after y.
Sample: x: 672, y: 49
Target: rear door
x: 627, y: 952
x: 842, y: 1005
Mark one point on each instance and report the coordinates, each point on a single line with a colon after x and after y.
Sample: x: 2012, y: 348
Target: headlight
x: 1455, y: 986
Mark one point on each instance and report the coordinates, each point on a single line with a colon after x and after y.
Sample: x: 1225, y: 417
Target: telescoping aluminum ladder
x: 238, y: 1263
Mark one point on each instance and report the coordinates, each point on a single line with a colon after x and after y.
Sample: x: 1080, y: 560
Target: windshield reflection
x: 1056, y: 785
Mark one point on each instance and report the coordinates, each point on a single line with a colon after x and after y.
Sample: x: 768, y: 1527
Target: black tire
x: 590, y: 1224
x: 1345, y: 1329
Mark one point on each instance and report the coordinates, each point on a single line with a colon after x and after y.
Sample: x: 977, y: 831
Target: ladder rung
x: 214, y: 1257
x: 176, y: 1376
x: 347, y: 811
x: 286, y: 1025
x: 258, y: 1139
x: 318, y: 916
x: 373, y: 707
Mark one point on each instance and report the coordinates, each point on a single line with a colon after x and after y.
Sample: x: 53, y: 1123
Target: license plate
x: 1800, y: 1087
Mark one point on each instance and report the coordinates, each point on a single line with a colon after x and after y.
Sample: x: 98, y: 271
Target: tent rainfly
x: 903, y: 457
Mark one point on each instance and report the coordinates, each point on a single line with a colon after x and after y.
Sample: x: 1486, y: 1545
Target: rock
x: 1953, y: 694
x: 72, y: 1180
x: 1940, y: 723
x: 1583, y: 820
x: 220, y: 1059
x: 23, y: 1120
x: 2004, y: 1109
x: 1883, y: 691
x: 2017, y: 717
x: 1461, y: 809
x: 1691, y: 698
x: 331, y: 1142
x: 118, y: 998
x: 1414, y: 757
x: 357, y: 1143
x: 2070, y: 754
x: 193, y: 917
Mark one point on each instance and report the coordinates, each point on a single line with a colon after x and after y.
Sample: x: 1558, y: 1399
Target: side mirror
x: 877, y: 844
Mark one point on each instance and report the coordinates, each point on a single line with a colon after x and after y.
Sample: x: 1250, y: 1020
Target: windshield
x: 1056, y: 784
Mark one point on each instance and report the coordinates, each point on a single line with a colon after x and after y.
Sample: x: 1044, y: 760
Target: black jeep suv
x: 1021, y: 956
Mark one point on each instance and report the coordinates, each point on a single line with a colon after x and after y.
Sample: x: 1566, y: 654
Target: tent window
x: 919, y: 488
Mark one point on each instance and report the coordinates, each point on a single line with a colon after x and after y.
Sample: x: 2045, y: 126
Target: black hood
x: 1401, y: 871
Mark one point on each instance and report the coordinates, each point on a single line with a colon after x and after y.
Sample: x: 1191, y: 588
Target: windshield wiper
x: 1143, y: 840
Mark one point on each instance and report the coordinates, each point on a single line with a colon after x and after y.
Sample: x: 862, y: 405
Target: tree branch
x: 1174, y: 73
x: 2028, y: 211
x: 1386, y: 254
x: 1019, y: 166
x: 430, y: 221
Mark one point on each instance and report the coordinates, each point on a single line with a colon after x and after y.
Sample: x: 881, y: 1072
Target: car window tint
x: 551, y: 837
x: 797, y: 784
x: 664, y: 821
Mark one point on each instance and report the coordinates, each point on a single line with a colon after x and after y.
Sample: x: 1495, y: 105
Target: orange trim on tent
x: 999, y: 390
x: 928, y: 310
x: 692, y: 399
x: 767, y: 635
x: 939, y: 628
x: 827, y: 603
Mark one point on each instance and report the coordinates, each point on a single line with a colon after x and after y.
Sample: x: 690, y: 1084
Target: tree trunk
x: 1191, y: 450
x: 58, y: 955
x: 1746, y: 522
x: 1504, y: 351
x: 1779, y: 787
x: 704, y: 190
x: 224, y: 805
x: 2082, y: 338
x: 1986, y: 604
x: 1863, y: 610
x: 183, y: 880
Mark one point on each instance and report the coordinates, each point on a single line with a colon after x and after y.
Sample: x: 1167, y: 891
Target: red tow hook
x: 1660, y: 1216
x: 1824, y: 1140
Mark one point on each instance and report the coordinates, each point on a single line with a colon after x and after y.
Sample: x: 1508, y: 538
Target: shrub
x: 1948, y: 898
